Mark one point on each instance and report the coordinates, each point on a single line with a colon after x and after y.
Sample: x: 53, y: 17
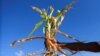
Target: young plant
x: 51, y: 25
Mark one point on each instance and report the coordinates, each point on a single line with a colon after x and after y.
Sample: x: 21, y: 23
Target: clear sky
x: 18, y: 19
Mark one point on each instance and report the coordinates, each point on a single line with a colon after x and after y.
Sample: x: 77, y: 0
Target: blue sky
x: 18, y: 19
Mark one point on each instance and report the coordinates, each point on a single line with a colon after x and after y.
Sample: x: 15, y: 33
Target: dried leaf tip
x: 36, y: 9
x: 51, y: 8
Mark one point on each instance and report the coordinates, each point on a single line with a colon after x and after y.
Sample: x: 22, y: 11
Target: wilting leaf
x: 26, y: 39
x: 60, y: 21
x: 68, y: 36
x: 62, y: 12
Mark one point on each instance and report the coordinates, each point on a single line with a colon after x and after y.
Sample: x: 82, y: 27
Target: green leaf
x: 35, y: 28
x: 43, y: 16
